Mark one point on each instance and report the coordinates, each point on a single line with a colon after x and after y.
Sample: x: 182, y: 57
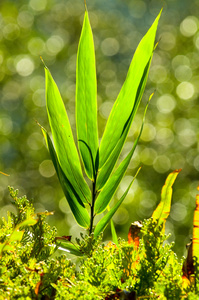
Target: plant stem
x: 92, y: 207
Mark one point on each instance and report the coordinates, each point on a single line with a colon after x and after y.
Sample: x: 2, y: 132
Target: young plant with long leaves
x: 98, y: 160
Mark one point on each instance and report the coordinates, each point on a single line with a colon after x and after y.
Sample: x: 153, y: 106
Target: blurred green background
x: 51, y: 28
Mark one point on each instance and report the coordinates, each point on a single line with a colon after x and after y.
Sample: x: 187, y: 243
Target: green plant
x: 28, y: 270
x: 26, y: 245
x: 144, y: 267
x: 98, y: 161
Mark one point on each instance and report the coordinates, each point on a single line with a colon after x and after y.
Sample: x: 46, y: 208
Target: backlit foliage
x: 31, y: 269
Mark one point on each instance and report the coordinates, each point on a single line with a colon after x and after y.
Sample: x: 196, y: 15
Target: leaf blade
x: 77, y: 206
x: 101, y: 225
x: 63, y: 139
x: 107, y: 168
x: 28, y: 222
x: 69, y: 247
x: 162, y: 211
x: 86, y: 98
x: 129, y: 98
x: 113, y: 182
x: 195, y: 241
x: 114, y: 234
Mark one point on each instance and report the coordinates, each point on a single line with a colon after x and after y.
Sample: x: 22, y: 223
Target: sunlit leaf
x: 77, y: 206
x: 101, y: 225
x: 126, y: 105
x: 69, y: 247
x: 113, y: 182
x: 196, y: 229
x: 4, y: 174
x: 114, y: 234
x: 27, y: 222
x: 86, y: 99
x: 113, y: 231
x: 162, y: 211
x: 63, y: 139
x: 16, y: 235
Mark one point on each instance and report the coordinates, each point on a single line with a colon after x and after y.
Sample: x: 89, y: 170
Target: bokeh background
x: 51, y: 28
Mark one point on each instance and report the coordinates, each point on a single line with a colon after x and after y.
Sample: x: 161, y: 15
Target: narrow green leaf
x: 113, y: 231
x: 27, y: 222
x: 101, y: 225
x: 128, y: 100
x: 63, y: 139
x: 162, y: 211
x: 77, y: 206
x: 16, y: 235
x: 113, y: 182
x: 114, y: 234
x: 69, y: 247
x: 107, y: 168
x: 86, y: 98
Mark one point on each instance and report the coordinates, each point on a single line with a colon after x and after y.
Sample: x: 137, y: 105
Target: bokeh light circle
x: 185, y: 90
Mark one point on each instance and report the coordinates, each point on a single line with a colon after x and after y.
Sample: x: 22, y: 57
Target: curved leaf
x: 77, y: 206
x: 63, y: 139
x: 114, y: 234
x: 69, y: 247
x: 127, y: 103
x: 113, y: 182
x: 86, y: 98
x: 28, y: 222
x: 107, y: 168
x: 162, y: 211
x: 196, y: 229
x: 101, y: 225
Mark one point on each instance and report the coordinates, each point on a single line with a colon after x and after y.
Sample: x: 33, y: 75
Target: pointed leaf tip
x: 85, y: 5
x: 126, y: 105
x: 162, y: 211
x: 86, y: 99
x: 64, y: 143
x: 77, y: 207
x: 43, y: 62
